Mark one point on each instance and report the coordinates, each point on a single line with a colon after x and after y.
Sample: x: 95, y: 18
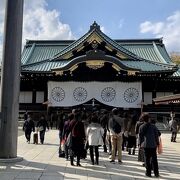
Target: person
x: 53, y: 120
x: 140, y: 149
x: 174, y: 129
x: 28, y: 127
x: 95, y: 138
x: 66, y: 132
x: 76, y: 128
x: 42, y: 125
x: 85, y: 118
x: 132, y: 135
x: 25, y: 115
x: 61, y: 120
x: 149, y: 140
x: 115, y: 127
x: 126, y: 119
x: 104, y: 124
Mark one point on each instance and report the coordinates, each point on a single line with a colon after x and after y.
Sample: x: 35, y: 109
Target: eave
x: 171, y: 99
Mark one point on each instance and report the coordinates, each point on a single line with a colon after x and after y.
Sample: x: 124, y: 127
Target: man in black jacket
x: 149, y: 140
x: 28, y: 127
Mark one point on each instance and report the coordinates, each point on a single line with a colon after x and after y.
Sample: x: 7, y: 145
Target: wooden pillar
x: 34, y: 96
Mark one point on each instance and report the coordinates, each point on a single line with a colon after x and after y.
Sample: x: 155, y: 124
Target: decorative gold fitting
x: 95, y: 64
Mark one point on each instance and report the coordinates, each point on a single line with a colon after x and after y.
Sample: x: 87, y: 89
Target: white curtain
x: 116, y: 94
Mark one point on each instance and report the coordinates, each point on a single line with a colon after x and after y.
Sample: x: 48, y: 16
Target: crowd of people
x: 115, y: 131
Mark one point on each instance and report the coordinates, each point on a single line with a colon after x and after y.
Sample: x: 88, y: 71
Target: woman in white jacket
x: 94, y: 137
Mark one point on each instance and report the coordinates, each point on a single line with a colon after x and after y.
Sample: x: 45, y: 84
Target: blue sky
x: 119, y: 19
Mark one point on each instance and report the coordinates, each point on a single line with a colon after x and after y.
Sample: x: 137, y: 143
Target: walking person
x: 25, y: 115
x: 78, y: 137
x: 149, y: 140
x: 42, y: 125
x: 174, y: 129
x: 95, y: 138
x: 115, y: 127
x: 28, y: 127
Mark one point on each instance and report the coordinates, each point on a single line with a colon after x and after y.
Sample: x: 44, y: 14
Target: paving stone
x: 41, y: 162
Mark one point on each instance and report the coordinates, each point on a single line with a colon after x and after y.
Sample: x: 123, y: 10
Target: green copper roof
x: 143, y: 66
x: 37, y: 51
x: 149, y: 55
x: 148, y: 66
x: 44, y: 66
x: 153, y: 49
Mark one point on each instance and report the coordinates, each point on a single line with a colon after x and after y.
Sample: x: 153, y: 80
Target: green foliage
x: 175, y: 57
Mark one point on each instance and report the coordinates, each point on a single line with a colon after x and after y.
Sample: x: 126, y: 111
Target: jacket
x: 77, y: 128
x: 29, y: 125
x: 173, y: 125
x: 43, y: 122
x: 138, y: 125
x: 148, y: 136
x: 94, y: 134
x: 118, y: 120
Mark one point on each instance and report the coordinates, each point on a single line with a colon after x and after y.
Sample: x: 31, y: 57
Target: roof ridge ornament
x: 95, y: 26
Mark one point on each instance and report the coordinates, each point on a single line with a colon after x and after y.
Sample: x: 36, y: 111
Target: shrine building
x: 97, y: 70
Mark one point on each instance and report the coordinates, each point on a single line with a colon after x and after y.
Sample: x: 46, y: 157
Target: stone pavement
x: 41, y: 162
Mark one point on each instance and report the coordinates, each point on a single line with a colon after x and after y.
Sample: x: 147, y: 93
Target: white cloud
x: 169, y: 30
x: 39, y: 22
x: 148, y: 26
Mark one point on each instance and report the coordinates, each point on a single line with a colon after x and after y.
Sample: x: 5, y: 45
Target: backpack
x: 116, y: 126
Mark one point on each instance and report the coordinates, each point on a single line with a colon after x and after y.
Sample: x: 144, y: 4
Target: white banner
x: 116, y: 94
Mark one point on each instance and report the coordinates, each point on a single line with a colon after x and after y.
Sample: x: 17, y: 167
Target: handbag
x: 160, y: 147
x: 69, y: 140
x: 62, y: 145
x: 86, y: 145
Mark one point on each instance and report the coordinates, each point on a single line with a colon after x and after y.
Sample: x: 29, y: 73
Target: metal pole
x: 10, y: 79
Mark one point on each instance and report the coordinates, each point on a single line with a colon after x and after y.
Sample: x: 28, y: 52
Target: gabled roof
x: 95, y: 34
x: 147, y: 55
